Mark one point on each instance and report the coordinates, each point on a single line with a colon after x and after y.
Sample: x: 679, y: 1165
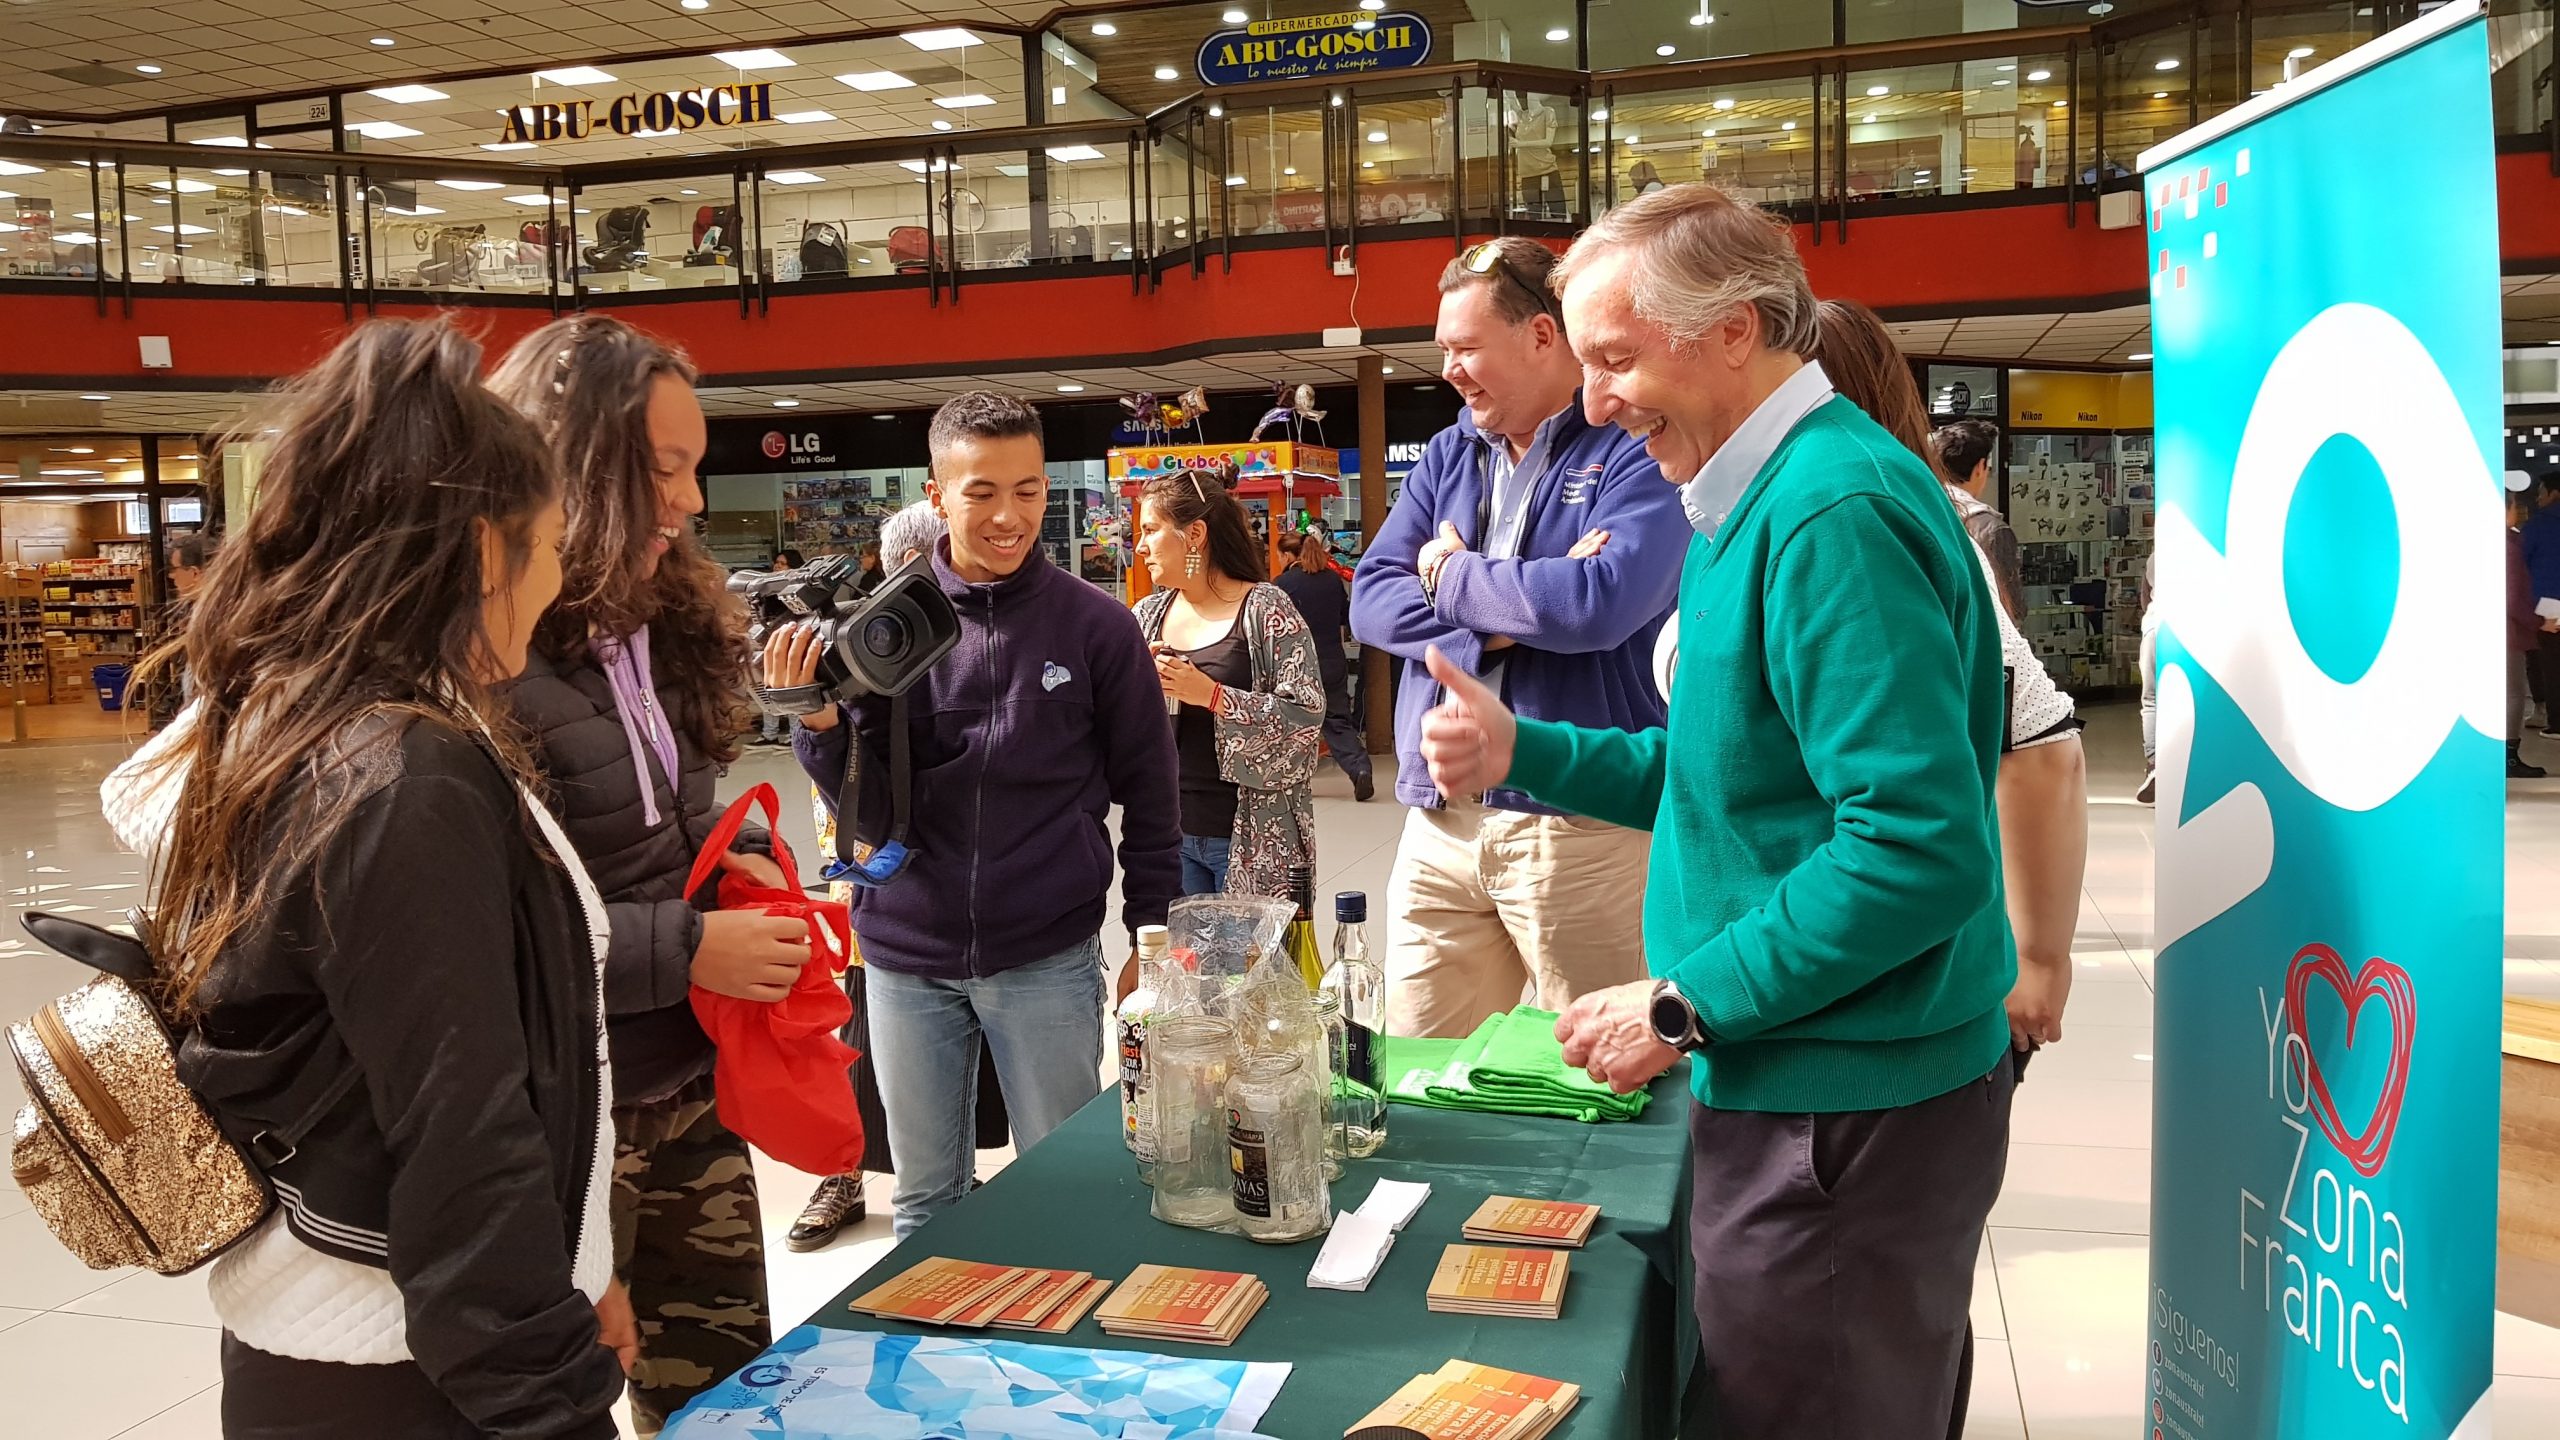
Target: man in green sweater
x: 1823, y: 916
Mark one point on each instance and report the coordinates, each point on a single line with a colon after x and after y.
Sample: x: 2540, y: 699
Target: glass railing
x: 2057, y: 112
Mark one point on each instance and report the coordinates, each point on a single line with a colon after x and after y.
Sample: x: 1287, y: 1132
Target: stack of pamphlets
x: 1465, y: 1401
x: 1488, y: 1280
x: 973, y: 1295
x: 1173, y: 1302
x: 1532, y: 1222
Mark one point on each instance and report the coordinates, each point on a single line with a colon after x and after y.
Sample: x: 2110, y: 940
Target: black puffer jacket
x: 578, y: 739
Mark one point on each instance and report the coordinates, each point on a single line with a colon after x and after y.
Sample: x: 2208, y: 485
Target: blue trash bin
x: 110, y: 680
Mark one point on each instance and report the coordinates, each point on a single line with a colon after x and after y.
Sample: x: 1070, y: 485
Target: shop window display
x: 2083, y: 509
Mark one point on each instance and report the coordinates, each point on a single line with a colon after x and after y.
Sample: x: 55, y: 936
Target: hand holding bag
x: 782, y: 1076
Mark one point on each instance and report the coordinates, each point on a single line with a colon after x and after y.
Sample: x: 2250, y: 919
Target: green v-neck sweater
x: 1825, y: 879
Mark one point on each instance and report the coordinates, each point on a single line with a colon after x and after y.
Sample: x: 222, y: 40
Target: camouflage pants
x: 688, y: 1241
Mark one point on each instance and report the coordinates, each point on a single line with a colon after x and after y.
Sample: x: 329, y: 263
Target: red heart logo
x: 2370, y: 1146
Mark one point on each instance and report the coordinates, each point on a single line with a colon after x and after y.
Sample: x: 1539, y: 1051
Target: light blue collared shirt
x: 1712, y: 493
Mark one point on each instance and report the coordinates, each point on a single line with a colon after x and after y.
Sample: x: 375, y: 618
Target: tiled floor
x: 2058, y: 1299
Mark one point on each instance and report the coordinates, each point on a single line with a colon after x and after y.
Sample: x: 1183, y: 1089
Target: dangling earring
x: 1191, y: 565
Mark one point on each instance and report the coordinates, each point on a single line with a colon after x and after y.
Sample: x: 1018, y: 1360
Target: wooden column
x: 1377, y: 685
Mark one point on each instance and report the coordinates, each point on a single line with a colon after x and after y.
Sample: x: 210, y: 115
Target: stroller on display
x: 715, y: 236
x: 622, y: 241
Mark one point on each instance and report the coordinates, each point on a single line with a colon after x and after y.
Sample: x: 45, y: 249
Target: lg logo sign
x: 803, y: 449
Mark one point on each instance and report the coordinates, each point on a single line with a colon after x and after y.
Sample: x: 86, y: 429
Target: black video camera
x: 876, y: 644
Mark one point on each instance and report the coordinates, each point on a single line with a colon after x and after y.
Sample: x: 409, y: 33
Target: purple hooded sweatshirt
x: 1046, y: 715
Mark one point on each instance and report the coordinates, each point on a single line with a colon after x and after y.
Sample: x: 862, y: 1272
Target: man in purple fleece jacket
x: 1542, y: 555
x: 1046, y: 715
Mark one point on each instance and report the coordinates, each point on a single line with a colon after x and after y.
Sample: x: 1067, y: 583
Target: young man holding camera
x: 1045, y: 715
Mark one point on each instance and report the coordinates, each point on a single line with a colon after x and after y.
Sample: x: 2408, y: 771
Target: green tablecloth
x: 1075, y: 1202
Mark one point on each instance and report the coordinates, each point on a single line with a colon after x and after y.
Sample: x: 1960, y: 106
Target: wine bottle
x: 1301, y: 938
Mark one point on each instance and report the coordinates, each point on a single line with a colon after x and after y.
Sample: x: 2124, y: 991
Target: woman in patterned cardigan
x: 1241, y: 685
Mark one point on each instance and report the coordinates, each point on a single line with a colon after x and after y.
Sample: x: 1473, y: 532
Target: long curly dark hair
x: 586, y: 381
x: 352, y: 589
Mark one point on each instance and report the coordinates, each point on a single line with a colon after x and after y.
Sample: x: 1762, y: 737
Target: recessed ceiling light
x: 1074, y: 152
x: 917, y: 166
x: 1235, y: 179
x: 383, y: 41
x: 80, y: 450
x: 1702, y: 18
x: 183, y: 187
x: 409, y: 94
x: 97, y: 397
x: 231, y: 173
x: 1709, y: 132
x: 228, y: 142
x: 411, y: 210
x: 884, y: 415
x: 793, y: 177
x: 1790, y: 125
x: 1373, y: 4
x: 941, y: 124
x: 1217, y: 110
x: 2004, y: 68
x: 805, y: 117
x: 1070, y: 389
x: 2159, y: 94
x: 147, y: 69
x: 575, y: 75
x: 1288, y: 169
x: 529, y: 200
x: 1235, y: 17
x: 1725, y: 104
x: 875, y: 80
x: 1599, y: 114
x: 1559, y: 34
x: 2168, y: 64
x: 696, y: 4
x: 1103, y: 28
x: 1167, y: 72
x: 963, y: 102
x: 1368, y: 164
x: 1666, y: 50
x: 1377, y: 137
x: 754, y: 60
x: 1875, y: 90
x: 583, y: 210
x: 2300, y: 52
x: 2061, y: 104
x: 939, y: 39
x: 688, y: 192
x: 1999, y: 82
x: 2039, y: 74
x: 81, y: 238
x: 509, y: 145
x: 1425, y: 385
x: 385, y: 130
x: 786, y: 404
x: 12, y: 167
x: 2139, y: 355
x: 1868, y: 119
x: 1337, y: 100
x: 181, y: 229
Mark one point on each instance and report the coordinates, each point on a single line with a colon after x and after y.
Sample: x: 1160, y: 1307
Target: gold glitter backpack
x: 123, y: 1161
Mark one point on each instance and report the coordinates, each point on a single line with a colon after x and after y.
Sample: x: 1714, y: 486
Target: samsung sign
x: 1354, y: 42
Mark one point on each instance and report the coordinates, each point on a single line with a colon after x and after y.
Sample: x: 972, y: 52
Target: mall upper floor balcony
x: 1143, y: 142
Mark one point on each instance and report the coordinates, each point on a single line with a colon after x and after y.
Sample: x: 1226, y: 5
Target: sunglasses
x: 1485, y: 258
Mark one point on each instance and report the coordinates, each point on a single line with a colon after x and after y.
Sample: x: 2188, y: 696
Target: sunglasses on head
x: 1486, y: 258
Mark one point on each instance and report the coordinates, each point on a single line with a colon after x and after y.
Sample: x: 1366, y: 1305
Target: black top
x: 575, y: 728
x: 434, y: 947
x: 1326, y: 603
x: 1208, y: 801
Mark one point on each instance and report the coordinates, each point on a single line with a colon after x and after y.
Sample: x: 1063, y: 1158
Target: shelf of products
x: 22, y: 643
x: 2082, y: 506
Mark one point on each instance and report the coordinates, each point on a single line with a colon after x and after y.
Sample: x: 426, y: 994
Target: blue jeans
x: 1204, y: 864
x: 1044, y: 1024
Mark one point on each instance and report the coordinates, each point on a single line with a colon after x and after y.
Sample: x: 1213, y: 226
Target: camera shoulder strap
x: 901, y: 780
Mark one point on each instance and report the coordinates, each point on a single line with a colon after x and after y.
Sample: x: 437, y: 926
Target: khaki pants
x: 1485, y: 904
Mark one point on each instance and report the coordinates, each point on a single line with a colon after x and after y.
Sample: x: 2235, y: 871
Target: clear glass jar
x: 1275, y: 1147
x: 1188, y: 1058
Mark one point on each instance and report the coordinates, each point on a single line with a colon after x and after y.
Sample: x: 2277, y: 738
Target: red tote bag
x: 781, y: 1074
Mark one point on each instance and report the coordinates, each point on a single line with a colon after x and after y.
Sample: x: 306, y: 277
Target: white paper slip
x: 1396, y: 1201
x: 1352, y: 1253
x: 2547, y: 608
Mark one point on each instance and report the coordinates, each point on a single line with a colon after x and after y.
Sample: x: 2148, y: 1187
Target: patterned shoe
x: 837, y: 1204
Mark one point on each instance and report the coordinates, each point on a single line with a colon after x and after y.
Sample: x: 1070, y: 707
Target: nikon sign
x: 1313, y: 46
x: 673, y: 112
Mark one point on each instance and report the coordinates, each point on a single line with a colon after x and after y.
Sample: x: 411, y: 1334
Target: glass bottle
x: 1275, y: 1149
x: 1336, y: 1138
x: 1359, y: 1061
x: 1188, y: 1057
x: 1301, y: 937
x: 1137, y: 1118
